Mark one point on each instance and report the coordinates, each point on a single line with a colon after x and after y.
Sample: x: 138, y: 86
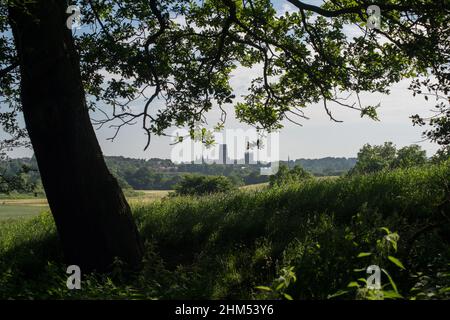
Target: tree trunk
x: 92, y: 216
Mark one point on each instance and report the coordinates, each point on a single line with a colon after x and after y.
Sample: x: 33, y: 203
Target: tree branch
x: 350, y: 10
x: 8, y: 69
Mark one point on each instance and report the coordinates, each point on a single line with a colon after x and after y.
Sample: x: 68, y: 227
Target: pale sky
x: 318, y: 137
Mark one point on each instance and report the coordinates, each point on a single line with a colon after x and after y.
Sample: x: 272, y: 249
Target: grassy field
x: 20, y: 207
x: 11, y: 209
x: 325, y: 231
x: 11, y: 212
x: 257, y: 186
x: 148, y: 196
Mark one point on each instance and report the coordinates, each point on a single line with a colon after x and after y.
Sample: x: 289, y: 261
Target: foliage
x: 196, y: 185
x: 285, y: 175
x: 138, y: 174
x: 329, y: 166
x: 280, y: 285
x: 132, y: 47
x: 189, y: 50
x: 20, y: 176
x: 441, y: 155
x: 380, y: 258
x: 227, y: 244
x: 163, y: 174
x: 386, y: 157
x: 409, y: 156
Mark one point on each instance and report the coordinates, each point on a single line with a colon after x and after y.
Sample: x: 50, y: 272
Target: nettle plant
x: 371, y: 288
x: 279, y: 286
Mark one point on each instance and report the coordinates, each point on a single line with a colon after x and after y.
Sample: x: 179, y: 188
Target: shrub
x: 284, y: 176
x: 373, y: 159
x: 203, y: 185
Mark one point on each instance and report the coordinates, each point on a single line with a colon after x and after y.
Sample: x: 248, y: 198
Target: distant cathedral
x: 223, y: 156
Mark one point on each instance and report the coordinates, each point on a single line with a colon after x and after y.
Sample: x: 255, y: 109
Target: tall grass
x: 224, y: 245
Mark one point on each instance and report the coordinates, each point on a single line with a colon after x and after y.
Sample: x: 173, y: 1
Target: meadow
x: 17, y: 210
x: 308, y: 240
x: 26, y: 206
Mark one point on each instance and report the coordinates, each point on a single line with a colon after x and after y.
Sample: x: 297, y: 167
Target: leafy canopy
x: 385, y: 157
x: 167, y: 63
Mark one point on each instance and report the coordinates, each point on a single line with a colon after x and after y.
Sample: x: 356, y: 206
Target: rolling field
x: 21, y: 208
x: 325, y: 232
x: 14, y: 208
x: 9, y: 212
x: 148, y: 196
x: 11, y: 209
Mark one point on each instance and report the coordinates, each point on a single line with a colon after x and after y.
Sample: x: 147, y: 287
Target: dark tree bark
x: 91, y: 213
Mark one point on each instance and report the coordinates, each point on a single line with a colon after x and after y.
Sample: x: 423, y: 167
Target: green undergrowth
x: 236, y: 245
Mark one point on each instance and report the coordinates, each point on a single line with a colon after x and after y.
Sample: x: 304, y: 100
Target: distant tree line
x: 19, y: 175
x: 22, y: 174
x: 163, y: 174
x: 386, y: 157
x: 329, y: 166
x: 371, y: 159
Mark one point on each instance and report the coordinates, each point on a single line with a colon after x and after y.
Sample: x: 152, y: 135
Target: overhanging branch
x: 5, y: 71
x: 349, y: 10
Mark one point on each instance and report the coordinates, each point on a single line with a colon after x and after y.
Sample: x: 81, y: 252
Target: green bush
x: 286, y: 176
x: 373, y: 159
x: 197, y: 185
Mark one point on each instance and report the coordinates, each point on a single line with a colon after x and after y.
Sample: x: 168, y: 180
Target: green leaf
x: 287, y: 296
x: 364, y: 254
x: 390, y: 280
x: 294, y: 277
x: 396, y: 262
x: 363, y: 280
x: 371, y: 112
x: 264, y: 288
x: 444, y: 290
x: 392, y: 295
x: 281, y: 285
x: 353, y: 284
x: 337, y: 294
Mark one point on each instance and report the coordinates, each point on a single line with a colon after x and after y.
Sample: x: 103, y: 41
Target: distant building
x: 250, y: 157
x: 223, y: 156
